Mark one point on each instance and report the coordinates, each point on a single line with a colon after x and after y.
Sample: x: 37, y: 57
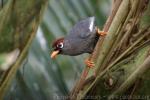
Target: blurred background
x: 40, y: 77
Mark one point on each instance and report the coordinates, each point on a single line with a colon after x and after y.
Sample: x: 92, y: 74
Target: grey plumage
x: 82, y: 38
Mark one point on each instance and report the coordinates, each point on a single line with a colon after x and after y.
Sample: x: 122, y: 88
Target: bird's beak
x: 54, y: 54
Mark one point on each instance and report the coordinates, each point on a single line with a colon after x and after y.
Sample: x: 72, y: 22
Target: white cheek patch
x: 61, y: 45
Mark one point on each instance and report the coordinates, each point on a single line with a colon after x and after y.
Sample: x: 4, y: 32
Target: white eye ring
x: 60, y: 45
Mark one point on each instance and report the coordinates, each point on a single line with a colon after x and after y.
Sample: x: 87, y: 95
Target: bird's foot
x: 101, y: 33
x: 89, y: 63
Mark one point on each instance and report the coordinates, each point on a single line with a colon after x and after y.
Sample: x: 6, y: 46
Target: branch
x: 28, y: 33
x: 80, y: 83
x: 133, y: 77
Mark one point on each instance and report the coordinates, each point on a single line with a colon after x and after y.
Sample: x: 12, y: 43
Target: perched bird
x: 82, y: 38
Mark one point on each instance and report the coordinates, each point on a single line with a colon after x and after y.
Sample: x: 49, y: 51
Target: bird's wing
x: 83, y: 28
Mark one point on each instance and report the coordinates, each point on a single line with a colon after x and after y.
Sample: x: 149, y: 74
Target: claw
x: 89, y: 63
x: 101, y: 33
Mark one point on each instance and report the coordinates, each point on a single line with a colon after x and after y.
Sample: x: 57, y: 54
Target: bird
x: 82, y: 38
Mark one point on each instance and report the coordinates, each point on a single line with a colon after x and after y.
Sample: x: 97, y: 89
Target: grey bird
x: 82, y: 38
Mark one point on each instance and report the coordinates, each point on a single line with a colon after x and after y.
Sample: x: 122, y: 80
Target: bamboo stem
x: 133, y: 77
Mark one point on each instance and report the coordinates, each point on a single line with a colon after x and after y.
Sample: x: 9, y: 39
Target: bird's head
x: 57, y: 47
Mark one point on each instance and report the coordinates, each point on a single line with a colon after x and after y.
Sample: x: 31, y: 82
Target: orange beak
x: 54, y: 54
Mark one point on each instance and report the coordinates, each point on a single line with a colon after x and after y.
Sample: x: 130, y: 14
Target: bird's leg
x: 101, y: 33
x: 89, y: 63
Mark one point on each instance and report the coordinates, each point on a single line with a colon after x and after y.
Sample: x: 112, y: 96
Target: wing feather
x: 83, y: 28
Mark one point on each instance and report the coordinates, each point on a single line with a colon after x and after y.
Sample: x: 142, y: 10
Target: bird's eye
x: 60, y: 45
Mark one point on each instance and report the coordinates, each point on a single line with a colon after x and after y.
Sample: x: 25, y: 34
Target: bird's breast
x: 75, y: 46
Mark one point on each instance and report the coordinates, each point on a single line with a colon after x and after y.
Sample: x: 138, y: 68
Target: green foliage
x: 42, y: 78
